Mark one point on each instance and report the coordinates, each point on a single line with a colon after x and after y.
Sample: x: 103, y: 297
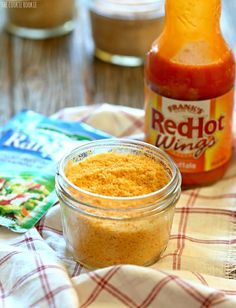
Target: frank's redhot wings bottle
x: 189, y: 84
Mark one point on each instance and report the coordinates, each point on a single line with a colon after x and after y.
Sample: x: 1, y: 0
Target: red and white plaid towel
x: 198, y: 268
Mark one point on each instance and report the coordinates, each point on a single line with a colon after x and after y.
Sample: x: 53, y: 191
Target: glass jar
x: 40, y: 19
x: 100, y: 230
x: 123, y: 31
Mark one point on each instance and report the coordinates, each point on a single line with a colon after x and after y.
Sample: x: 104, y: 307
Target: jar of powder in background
x: 40, y: 19
x: 123, y: 30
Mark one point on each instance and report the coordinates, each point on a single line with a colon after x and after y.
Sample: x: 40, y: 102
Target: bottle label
x: 196, y: 134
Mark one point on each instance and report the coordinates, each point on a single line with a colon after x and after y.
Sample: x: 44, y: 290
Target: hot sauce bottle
x: 189, y: 81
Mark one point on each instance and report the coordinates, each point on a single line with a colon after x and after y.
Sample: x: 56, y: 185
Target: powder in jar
x: 44, y: 14
x: 117, y: 175
x: 125, y: 28
x: 123, y: 208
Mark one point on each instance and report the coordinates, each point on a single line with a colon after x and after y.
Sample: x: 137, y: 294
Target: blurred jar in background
x: 41, y: 18
x: 123, y: 30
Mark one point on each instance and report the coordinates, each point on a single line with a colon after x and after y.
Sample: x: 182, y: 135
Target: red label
x: 197, y: 134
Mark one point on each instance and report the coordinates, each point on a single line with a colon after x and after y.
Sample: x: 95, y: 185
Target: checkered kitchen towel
x: 198, y: 268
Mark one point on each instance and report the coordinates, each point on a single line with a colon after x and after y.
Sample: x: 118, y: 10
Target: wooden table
x: 51, y: 74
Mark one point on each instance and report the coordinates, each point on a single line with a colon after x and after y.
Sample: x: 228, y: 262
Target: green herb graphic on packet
x: 30, y: 146
x: 23, y: 198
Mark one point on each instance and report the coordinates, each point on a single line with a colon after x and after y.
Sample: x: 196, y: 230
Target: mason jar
x: 123, y: 31
x: 101, y: 230
x: 40, y: 19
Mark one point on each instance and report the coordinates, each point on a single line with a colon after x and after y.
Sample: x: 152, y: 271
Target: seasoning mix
x: 40, y: 19
x: 123, y: 31
x: 117, y: 200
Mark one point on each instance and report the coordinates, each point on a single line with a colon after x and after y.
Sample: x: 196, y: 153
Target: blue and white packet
x: 30, y: 147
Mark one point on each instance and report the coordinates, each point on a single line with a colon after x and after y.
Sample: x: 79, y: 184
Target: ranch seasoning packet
x: 30, y: 146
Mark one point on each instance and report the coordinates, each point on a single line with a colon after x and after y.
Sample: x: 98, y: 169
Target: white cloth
x: 197, y: 269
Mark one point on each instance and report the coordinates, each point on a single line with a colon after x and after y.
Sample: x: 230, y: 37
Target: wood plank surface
x: 48, y: 75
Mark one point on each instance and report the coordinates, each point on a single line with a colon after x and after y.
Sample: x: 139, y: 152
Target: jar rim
x: 172, y: 185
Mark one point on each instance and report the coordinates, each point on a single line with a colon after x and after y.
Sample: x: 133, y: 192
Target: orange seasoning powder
x: 140, y: 239
x: 117, y: 175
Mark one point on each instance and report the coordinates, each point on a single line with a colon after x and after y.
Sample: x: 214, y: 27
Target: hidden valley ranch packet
x: 30, y: 147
